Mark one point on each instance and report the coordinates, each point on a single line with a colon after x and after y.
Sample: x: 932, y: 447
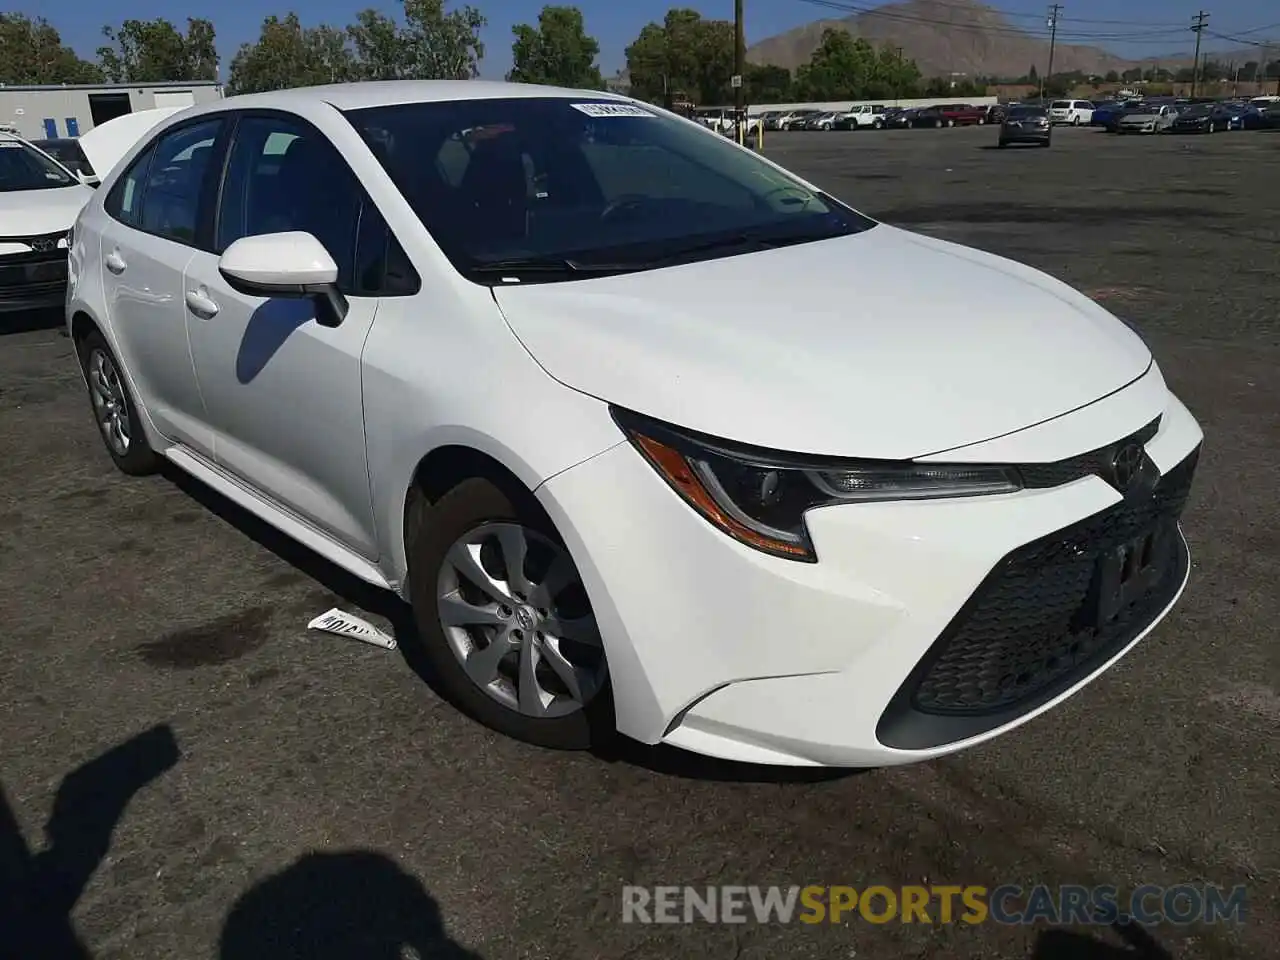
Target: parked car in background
x: 862, y: 117
x: 39, y: 201
x: 950, y: 115
x: 1073, y: 112
x: 899, y: 118
x: 1206, y: 118
x: 770, y: 119
x: 1103, y: 113
x: 619, y: 526
x: 1026, y: 125
x: 67, y: 151
x: 1149, y: 118
x: 823, y: 121
x: 796, y: 118
x: 996, y: 112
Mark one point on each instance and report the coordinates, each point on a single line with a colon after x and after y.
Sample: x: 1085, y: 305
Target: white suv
x: 1077, y: 113
x: 866, y: 115
x: 515, y: 353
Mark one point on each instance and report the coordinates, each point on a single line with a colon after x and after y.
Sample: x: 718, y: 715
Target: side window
x: 282, y: 175
x: 124, y: 202
x: 176, y: 179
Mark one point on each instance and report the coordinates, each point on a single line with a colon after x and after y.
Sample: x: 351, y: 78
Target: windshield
x: 586, y: 187
x: 24, y: 168
x: 1199, y: 110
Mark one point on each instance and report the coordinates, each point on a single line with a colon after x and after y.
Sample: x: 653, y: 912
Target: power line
x: 966, y: 5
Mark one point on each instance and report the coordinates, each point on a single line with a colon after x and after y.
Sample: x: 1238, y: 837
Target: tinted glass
x: 124, y: 202
x: 596, y: 182
x: 175, y: 181
x: 1025, y: 113
x: 25, y: 168
x: 283, y: 175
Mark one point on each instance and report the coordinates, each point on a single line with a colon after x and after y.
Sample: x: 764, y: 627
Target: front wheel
x: 116, y: 414
x: 1213, y: 127
x: 981, y: 121
x: 504, y: 617
x: 878, y: 125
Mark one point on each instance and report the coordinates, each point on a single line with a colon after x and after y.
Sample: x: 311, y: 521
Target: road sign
x: 735, y: 81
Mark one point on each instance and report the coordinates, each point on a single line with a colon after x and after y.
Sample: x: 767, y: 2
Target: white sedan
x: 39, y: 200
x: 457, y: 338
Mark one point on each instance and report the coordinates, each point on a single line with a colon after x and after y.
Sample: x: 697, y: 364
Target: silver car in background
x: 1152, y: 118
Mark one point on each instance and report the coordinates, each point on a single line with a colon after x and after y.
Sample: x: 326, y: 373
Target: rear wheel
x: 1213, y: 128
x: 505, y: 619
x: 113, y: 408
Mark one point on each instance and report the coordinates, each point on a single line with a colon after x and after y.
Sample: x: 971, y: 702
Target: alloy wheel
x: 515, y: 614
x: 107, y: 393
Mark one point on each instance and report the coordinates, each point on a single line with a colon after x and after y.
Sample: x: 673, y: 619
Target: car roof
x: 384, y: 93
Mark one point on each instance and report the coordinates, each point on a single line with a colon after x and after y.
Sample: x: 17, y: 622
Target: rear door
x: 154, y: 211
x: 283, y: 393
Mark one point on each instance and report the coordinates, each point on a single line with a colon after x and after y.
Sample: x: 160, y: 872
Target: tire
x: 981, y: 121
x: 114, y: 411
x: 1002, y: 144
x: 1075, y: 120
x: 877, y: 125
x: 1212, y: 127
x: 477, y: 510
x: 951, y: 123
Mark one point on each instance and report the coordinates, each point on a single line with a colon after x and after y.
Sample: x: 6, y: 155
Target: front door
x: 283, y: 393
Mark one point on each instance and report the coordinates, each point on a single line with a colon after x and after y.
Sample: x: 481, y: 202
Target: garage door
x: 175, y: 98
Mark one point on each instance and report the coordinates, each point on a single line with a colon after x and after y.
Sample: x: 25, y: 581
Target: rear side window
x: 124, y: 202
x: 176, y: 181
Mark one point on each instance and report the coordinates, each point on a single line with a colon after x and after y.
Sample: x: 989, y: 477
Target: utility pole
x: 1054, y: 10
x: 1197, y: 25
x: 739, y: 68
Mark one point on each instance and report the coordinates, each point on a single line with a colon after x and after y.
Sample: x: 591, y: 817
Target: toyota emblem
x: 43, y: 244
x: 1125, y: 465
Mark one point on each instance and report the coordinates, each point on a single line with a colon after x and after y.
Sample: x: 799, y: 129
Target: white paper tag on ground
x: 349, y: 625
x: 611, y: 110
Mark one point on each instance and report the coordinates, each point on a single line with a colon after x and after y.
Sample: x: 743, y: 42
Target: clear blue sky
x: 615, y: 23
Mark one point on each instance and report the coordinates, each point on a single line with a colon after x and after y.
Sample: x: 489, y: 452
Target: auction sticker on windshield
x: 611, y: 110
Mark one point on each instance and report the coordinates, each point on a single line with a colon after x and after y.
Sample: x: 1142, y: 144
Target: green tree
x: 289, y: 55
x: 382, y: 50
x: 31, y: 51
x: 842, y: 68
x: 442, y: 46
x: 1112, y: 77
x: 148, y: 51
x: 684, y: 54
x: 766, y: 83
x: 557, y: 51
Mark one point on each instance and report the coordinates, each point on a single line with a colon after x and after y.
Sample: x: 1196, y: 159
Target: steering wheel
x: 628, y: 201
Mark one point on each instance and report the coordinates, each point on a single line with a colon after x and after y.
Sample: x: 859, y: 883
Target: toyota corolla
x: 655, y: 436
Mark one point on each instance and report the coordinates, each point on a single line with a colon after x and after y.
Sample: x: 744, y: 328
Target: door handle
x: 115, y: 263
x: 201, y: 305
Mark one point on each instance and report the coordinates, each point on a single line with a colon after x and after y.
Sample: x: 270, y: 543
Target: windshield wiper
x: 517, y: 266
x: 752, y: 243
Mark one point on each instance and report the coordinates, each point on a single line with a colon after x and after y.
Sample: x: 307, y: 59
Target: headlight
x: 759, y: 497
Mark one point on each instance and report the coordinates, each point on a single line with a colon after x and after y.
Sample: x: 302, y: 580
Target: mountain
x: 949, y: 36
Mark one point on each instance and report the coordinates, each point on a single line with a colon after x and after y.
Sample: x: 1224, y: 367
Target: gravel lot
x: 280, y: 793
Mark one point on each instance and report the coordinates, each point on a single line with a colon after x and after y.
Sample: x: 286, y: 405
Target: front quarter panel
x: 443, y: 368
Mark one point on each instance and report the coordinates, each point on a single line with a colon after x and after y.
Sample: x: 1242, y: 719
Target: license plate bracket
x: 1126, y: 573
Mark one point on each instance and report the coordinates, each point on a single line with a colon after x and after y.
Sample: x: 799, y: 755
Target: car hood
x: 106, y: 143
x: 884, y: 344
x: 33, y: 212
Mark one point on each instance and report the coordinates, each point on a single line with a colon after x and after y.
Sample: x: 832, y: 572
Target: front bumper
x: 717, y: 648
x: 30, y: 283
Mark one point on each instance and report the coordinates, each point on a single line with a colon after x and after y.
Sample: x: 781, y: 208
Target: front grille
x: 47, y: 290
x: 1094, y: 463
x: 1023, y: 637
x: 32, y: 278
x: 48, y: 240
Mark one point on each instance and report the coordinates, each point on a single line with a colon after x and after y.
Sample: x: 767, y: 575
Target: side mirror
x: 293, y: 264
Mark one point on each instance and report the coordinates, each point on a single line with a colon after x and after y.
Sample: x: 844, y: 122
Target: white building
x: 45, y: 112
